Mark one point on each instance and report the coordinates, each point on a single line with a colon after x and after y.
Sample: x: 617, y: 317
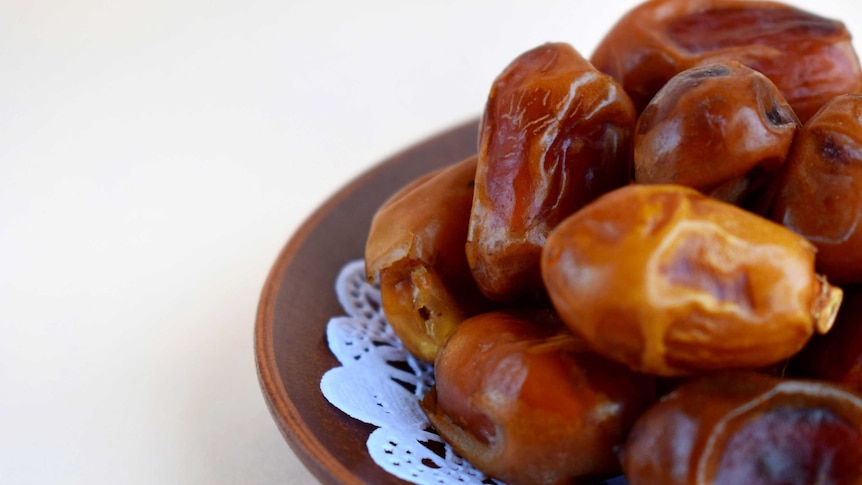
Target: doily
x: 380, y: 383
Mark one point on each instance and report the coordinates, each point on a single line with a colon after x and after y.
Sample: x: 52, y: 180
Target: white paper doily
x: 380, y: 383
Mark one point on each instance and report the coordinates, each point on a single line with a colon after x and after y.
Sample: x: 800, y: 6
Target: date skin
x: 810, y: 58
x: 747, y: 428
x: 527, y: 402
x: 820, y: 193
x: 415, y: 249
x: 723, y: 129
x: 555, y: 134
x: 672, y: 282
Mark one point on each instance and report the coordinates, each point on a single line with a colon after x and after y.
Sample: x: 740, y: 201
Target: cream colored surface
x: 154, y: 158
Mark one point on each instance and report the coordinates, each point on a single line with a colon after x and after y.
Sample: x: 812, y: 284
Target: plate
x: 298, y: 299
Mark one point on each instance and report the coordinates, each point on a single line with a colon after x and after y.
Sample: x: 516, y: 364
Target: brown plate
x: 299, y: 298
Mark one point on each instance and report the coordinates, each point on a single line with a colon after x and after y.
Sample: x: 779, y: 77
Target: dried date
x: 527, y: 402
x: 672, y: 282
x: 746, y: 428
x: 810, y: 58
x: 723, y: 129
x: 555, y: 134
x: 415, y: 249
x: 820, y: 192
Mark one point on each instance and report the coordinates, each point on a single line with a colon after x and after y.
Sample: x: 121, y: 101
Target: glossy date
x: 820, y: 191
x: 746, y: 428
x: 415, y: 250
x: 672, y: 282
x: 810, y: 58
x: 555, y: 134
x: 527, y: 402
x: 723, y: 129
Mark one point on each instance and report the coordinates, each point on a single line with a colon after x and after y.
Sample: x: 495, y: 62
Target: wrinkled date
x: 809, y: 58
x: 820, y: 194
x: 671, y: 282
x: 746, y: 428
x: 555, y: 134
x: 723, y: 129
x: 524, y: 400
x: 415, y: 248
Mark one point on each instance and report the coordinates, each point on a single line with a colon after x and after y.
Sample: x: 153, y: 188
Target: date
x: 527, y: 402
x: 723, y: 129
x: 820, y: 191
x: 747, y: 428
x: 810, y: 58
x: 415, y: 250
x: 555, y: 134
x: 672, y: 282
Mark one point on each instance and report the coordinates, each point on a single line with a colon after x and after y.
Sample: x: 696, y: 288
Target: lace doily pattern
x: 379, y: 382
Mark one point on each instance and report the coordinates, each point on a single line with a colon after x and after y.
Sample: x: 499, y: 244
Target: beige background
x: 154, y: 158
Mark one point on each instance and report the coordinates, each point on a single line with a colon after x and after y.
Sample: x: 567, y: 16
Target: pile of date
x: 650, y: 267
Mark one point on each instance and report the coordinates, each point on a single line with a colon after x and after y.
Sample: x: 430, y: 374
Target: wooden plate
x: 299, y: 298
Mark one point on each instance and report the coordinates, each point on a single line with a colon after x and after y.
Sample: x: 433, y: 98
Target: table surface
x: 156, y: 156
